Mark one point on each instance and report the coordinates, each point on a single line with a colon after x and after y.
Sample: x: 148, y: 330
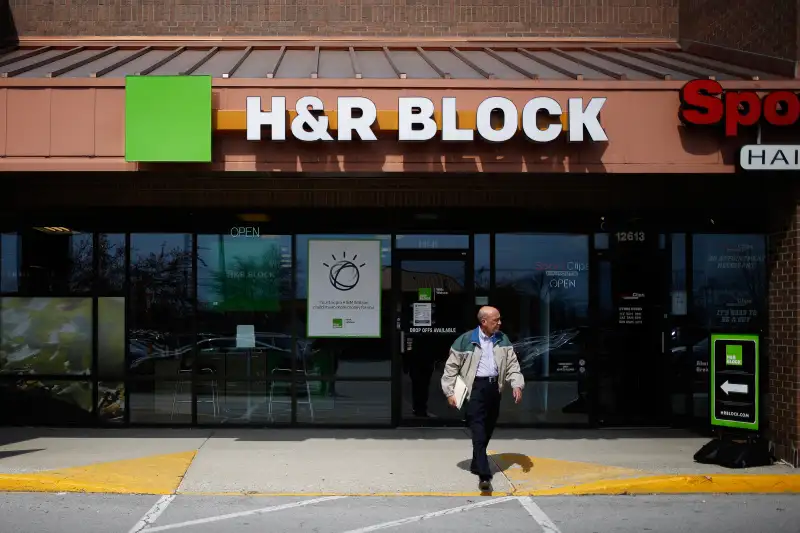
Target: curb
x: 51, y: 484
x: 666, y: 484
x: 157, y: 475
x: 693, y: 484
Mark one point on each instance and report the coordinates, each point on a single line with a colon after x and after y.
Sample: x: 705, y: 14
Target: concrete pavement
x: 318, y: 462
x: 96, y: 513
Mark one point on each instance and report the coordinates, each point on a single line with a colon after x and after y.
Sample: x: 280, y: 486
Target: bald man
x: 485, y: 360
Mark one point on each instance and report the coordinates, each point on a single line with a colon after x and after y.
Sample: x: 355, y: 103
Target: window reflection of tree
x: 112, y: 261
x: 81, y: 265
x: 160, y: 288
x: 482, y: 279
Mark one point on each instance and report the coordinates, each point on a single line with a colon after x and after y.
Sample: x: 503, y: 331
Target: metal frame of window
x: 688, y: 227
x: 531, y: 378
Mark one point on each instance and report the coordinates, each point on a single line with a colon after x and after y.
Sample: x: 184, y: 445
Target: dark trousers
x: 482, y: 412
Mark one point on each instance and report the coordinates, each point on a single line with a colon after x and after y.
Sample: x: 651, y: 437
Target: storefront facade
x: 161, y: 268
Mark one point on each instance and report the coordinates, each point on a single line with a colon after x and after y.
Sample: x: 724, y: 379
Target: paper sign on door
x: 422, y: 315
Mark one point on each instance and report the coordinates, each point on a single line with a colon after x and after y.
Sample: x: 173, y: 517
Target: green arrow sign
x: 734, y: 361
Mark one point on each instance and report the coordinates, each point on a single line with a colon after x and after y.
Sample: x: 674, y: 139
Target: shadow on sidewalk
x: 13, y: 453
x: 504, y: 462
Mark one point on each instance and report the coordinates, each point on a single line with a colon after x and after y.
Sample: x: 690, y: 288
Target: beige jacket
x: 464, y: 356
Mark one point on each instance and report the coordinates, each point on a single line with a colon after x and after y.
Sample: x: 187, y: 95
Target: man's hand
x: 452, y: 401
x: 517, y: 395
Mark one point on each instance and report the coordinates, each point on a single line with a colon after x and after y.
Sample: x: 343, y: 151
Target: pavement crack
x: 152, y: 515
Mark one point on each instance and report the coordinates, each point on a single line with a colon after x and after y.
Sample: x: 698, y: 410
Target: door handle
x: 662, y: 342
x: 402, y: 341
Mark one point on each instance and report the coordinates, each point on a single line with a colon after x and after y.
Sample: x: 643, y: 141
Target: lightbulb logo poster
x: 344, y: 288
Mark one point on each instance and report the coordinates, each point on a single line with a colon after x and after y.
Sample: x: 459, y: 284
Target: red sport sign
x: 704, y: 102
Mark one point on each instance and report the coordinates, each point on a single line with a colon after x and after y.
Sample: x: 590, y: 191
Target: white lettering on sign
x: 413, y: 111
x: 497, y: 119
x: 509, y: 118
x: 588, y: 118
x: 275, y: 118
x: 450, y: 129
x: 245, y: 231
x: 361, y: 125
x: 306, y: 120
x: 531, y: 111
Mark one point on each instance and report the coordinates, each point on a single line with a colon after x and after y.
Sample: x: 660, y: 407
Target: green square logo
x: 733, y: 355
x: 168, y: 119
x: 338, y: 323
x: 424, y: 295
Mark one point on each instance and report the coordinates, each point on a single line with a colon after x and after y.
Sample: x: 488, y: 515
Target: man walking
x: 485, y: 359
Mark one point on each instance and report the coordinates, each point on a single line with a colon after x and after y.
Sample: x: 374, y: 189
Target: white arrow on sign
x: 734, y: 387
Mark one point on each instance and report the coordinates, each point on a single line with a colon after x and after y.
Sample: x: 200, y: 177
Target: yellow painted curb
x: 528, y: 473
x: 708, y: 484
x: 158, y: 474
x: 348, y: 494
x: 689, y: 484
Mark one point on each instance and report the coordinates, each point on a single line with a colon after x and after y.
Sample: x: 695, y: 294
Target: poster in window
x: 344, y: 288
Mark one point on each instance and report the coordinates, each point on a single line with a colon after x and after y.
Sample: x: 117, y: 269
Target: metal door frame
x: 663, y: 255
x: 467, y: 256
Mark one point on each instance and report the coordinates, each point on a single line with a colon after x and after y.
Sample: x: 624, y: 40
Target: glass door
x: 435, y: 303
x: 632, y: 367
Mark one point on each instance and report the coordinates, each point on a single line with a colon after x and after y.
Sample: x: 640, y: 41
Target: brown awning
x: 506, y: 60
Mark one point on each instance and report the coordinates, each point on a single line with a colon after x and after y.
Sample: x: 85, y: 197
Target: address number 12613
x: 630, y: 236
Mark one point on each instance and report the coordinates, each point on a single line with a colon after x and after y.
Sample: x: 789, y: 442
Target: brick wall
x: 783, y: 405
x: 597, y: 18
x: 768, y: 27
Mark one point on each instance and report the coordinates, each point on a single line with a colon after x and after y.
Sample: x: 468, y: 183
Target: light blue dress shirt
x: 487, y: 367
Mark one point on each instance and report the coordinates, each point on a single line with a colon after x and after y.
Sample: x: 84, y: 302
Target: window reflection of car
x: 144, y: 355
x: 559, y: 353
x: 699, y: 350
x: 562, y: 354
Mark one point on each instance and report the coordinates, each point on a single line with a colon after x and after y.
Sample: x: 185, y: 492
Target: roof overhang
x: 591, y: 64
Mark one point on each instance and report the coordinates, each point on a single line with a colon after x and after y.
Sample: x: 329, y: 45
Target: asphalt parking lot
x: 90, y: 513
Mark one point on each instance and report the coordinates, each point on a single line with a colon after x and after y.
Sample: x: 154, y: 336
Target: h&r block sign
x: 734, y: 381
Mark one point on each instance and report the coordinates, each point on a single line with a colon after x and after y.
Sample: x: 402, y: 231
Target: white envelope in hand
x: 460, y: 391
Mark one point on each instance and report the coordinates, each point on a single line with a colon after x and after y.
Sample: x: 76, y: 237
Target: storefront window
x: 160, y: 329
x: 111, y: 402
x: 45, y: 335
x: 679, y: 305
x: 483, y: 265
x: 432, y: 242
x: 729, y: 281
x: 728, y: 294
x: 111, y: 277
x: 543, y: 297
x: 111, y: 336
x: 244, y: 305
x: 9, y: 263
x: 355, y: 402
x: 44, y: 262
x: 161, y: 291
x: 546, y: 402
x: 345, y: 357
x: 46, y: 402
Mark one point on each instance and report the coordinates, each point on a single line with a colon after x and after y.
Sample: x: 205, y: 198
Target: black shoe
x: 485, y: 485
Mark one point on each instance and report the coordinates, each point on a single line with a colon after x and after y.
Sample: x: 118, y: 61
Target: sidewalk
x: 406, y: 462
